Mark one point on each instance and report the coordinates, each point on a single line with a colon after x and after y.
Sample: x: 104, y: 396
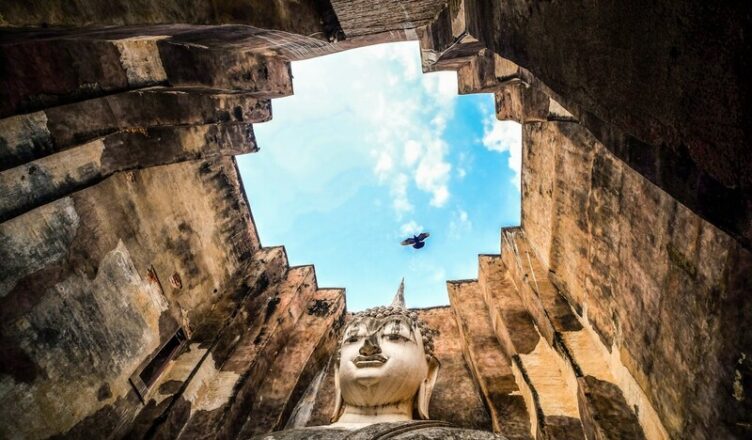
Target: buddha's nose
x: 370, y: 347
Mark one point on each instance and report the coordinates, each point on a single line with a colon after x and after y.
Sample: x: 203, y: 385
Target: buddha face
x: 382, y: 361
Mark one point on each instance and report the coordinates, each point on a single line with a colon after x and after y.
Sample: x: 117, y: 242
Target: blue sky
x: 368, y: 151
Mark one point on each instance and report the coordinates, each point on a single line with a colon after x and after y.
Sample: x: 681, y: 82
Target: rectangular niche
x: 143, y: 379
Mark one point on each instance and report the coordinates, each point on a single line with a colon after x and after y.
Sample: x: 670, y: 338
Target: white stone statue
x: 385, y: 376
x: 386, y: 369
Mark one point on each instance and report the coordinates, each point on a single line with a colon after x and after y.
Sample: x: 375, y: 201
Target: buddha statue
x: 385, y: 374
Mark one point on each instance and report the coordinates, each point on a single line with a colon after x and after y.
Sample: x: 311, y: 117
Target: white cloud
x: 485, y: 108
x: 440, y: 196
x: 439, y: 122
x: 464, y: 163
x: 408, y: 118
x: 448, y: 84
x: 412, y: 152
x: 432, y: 172
x: 398, y: 191
x: 411, y: 228
x: 400, y: 116
x: 506, y: 136
x: 460, y: 223
x: 442, y: 85
x: 410, y: 62
x: 502, y: 135
x: 384, y: 165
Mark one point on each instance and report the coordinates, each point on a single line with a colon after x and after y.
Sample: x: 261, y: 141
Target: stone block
x: 305, y: 17
x: 196, y: 380
x: 512, y: 323
x: 30, y: 136
x: 629, y: 257
x: 518, y: 101
x: 51, y: 177
x: 452, y: 39
x: 550, y: 310
x: 41, y: 73
x: 573, y: 349
x: 316, y: 406
x: 361, y: 18
x: 225, y: 69
x: 478, y: 75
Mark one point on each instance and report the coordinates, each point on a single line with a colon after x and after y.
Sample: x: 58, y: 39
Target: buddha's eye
x: 352, y: 338
x: 396, y: 337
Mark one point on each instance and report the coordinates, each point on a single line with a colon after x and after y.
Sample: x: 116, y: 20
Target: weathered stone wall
x: 662, y: 289
x: 360, y: 18
x: 124, y: 221
x: 306, y: 17
x: 646, y: 68
x: 90, y: 288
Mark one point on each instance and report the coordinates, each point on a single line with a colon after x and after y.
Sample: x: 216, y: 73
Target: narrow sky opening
x: 369, y: 151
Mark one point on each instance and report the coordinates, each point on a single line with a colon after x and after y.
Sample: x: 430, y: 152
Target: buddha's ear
x: 426, y: 387
x: 337, y: 394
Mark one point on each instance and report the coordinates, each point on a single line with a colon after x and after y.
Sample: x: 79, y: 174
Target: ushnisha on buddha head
x: 386, y: 368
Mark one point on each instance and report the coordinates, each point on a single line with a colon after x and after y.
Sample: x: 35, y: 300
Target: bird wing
x: 423, y: 235
x: 407, y: 242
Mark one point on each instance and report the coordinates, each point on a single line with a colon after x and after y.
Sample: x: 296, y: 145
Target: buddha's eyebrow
x: 399, y: 321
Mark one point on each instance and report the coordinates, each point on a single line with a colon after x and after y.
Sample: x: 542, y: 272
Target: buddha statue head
x: 386, y: 368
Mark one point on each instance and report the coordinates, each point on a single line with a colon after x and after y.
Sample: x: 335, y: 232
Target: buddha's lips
x: 375, y: 360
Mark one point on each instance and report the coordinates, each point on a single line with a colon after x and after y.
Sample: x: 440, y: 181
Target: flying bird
x: 417, y: 241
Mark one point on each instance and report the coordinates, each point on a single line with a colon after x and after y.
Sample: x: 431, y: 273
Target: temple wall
x: 299, y: 16
x: 95, y: 282
x: 362, y: 18
x: 658, y: 285
x: 137, y: 299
